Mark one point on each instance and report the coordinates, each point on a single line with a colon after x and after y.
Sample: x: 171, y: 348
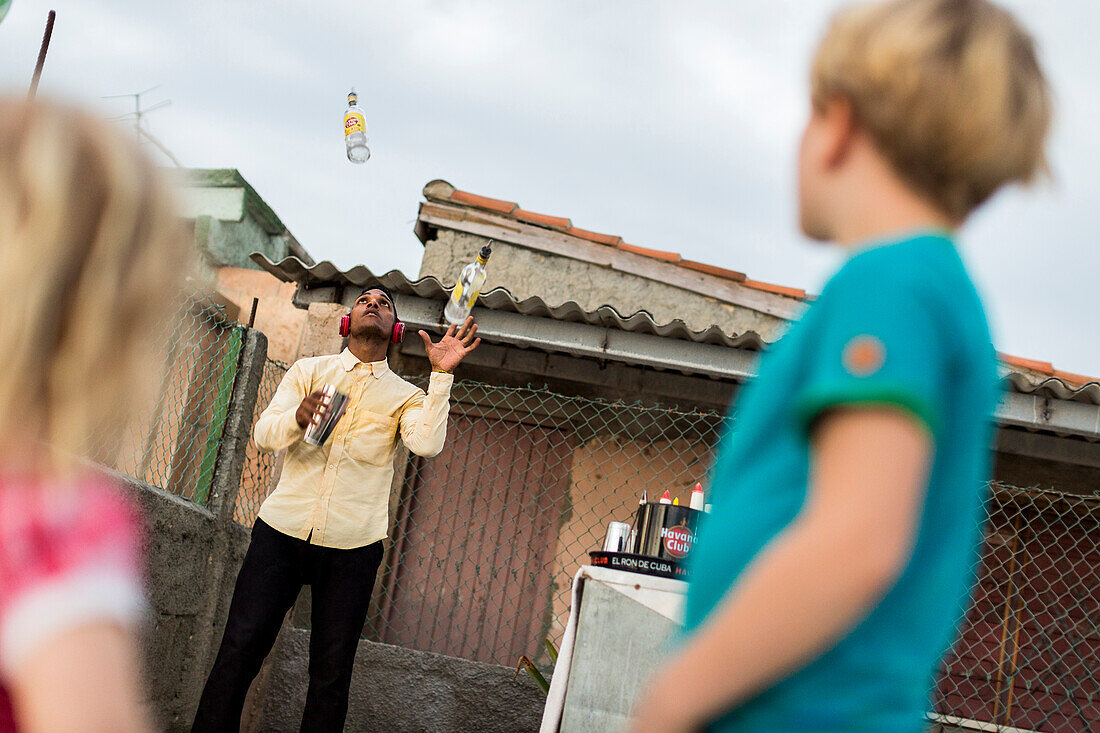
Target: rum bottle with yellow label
x: 355, y: 130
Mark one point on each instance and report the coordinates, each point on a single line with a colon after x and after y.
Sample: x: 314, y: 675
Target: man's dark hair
x: 387, y: 293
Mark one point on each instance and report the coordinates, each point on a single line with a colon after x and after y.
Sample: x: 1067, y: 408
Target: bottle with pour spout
x: 468, y: 287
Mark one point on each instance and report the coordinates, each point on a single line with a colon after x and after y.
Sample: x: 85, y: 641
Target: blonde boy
x: 830, y: 577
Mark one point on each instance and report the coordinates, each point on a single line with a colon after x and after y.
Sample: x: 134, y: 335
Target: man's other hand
x: 310, y: 410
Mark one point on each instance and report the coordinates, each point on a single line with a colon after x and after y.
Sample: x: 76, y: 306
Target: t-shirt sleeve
x: 878, y: 341
x: 63, y: 565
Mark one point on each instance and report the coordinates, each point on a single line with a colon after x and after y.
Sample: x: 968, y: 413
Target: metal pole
x: 160, y: 146
x: 42, y: 54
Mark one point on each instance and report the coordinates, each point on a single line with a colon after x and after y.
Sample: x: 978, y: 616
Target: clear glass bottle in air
x: 467, y: 288
x: 355, y: 130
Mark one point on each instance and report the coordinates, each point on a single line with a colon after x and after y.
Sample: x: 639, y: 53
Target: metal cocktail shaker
x: 618, y: 538
x: 333, y: 403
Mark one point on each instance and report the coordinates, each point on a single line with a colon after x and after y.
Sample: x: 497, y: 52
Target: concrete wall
x: 191, y: 563
x: 556, y: 279
x: 402, y: 691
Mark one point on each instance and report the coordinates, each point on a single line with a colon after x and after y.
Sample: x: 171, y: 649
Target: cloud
x: 673, y: 125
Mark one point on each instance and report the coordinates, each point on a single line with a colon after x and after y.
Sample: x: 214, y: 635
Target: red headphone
x: 396, y: 337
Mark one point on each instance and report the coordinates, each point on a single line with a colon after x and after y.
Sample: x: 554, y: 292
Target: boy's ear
x: 840, y: 130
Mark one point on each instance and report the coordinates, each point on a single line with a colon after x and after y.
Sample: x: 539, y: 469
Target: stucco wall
x: 229, y: 243
x: 282, y: 323
x: 556, y: 279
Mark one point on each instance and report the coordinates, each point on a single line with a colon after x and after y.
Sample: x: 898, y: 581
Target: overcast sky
x: 673, y: 125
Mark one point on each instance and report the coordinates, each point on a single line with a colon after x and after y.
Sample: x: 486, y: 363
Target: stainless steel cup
x: 334, y: 404
x: 618, y: 537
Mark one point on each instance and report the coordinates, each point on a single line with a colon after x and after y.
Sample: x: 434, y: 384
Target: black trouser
x: 275, y: 568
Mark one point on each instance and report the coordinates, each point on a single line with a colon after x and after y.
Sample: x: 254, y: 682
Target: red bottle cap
x: 698, y: 501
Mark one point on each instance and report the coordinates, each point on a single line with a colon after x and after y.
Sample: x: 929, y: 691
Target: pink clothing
x: 68, y: 556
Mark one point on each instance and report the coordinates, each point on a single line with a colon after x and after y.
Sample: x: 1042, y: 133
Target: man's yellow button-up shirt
x: 337, y: 495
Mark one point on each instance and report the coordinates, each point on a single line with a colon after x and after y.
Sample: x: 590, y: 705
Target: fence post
x: 226, y: 481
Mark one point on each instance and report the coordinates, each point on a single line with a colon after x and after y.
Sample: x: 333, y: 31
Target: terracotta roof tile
x: 609, y: 239
x: 1044, y: 367
x: 1078, y: 379
x: 545, y: 220
x: 484, y: 202
x: 777, y: 289
x: 444, y: 190
x: 714, y: 270
x: 658, y: 254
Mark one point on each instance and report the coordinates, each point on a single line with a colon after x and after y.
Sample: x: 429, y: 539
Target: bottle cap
x: 697, y: 498
x: 666, y: 498
x: 486, y: 251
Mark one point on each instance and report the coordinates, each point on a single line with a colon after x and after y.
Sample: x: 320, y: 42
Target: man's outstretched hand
x: 453, y: 347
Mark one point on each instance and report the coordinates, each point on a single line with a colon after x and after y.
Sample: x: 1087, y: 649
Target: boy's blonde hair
x: 94, y: 259
x: 950, y: 91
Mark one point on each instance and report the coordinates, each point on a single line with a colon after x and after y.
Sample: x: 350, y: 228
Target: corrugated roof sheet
x: 1054, y: 387
x: 292, y: 269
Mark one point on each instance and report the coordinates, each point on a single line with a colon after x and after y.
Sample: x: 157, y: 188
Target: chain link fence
x: 174, y: 442
x: 261, y: 470
x: 489, y: 534
x: 1028, y: 655
x: 487, y: 537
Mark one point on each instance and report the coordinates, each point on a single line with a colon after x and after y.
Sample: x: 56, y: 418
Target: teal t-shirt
x: 900, y: 324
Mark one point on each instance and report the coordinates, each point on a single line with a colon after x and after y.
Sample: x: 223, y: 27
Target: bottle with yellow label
x: 355, y: 130
x: 468, y: 287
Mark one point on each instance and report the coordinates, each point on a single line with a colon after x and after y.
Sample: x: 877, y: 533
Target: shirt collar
x: 377, y: 368
x: 943, y: 235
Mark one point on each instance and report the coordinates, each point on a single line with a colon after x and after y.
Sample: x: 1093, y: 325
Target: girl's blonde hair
x: 95, y: 259
x: 950, y: 91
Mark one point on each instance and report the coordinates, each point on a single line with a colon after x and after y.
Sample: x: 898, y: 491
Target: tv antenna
x: 41, y: 53
x: 139, y: 114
